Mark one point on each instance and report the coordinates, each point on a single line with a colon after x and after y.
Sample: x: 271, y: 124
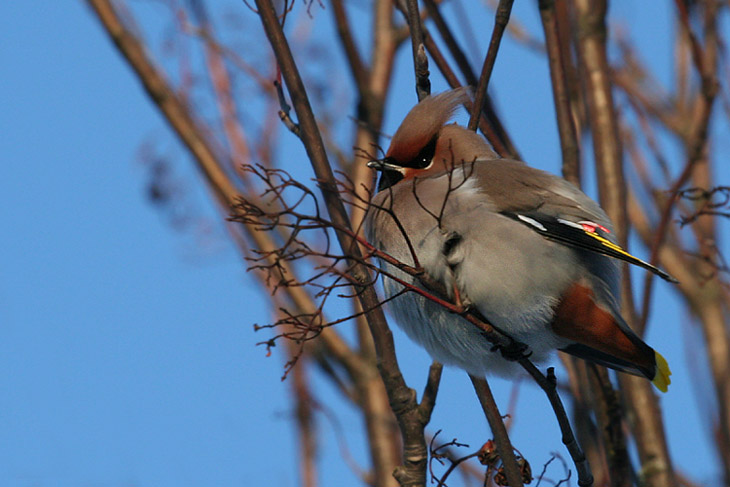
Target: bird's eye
x: 425, y: 156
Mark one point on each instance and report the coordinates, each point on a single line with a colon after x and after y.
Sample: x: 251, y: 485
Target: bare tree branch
x: 501, y: 18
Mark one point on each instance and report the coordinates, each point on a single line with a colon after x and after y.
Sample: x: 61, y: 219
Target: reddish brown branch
x: 491, y: 411
x: 354, y: 61
x: 306, y: 430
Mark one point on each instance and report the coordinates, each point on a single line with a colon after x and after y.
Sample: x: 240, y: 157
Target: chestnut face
x: 390, y: 167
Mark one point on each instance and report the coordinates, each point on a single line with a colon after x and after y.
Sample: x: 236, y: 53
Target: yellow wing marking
x: 607, y: 243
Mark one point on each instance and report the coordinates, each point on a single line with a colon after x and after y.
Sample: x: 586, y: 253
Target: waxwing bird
x: 526, y: 249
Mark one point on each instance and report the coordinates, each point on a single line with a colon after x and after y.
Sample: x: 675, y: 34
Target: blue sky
x: 127, y: 353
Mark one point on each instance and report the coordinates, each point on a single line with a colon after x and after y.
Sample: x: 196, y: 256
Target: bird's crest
x: 424, y: 121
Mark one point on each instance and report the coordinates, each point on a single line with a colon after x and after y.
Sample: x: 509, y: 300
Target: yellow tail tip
x: 661, y: 378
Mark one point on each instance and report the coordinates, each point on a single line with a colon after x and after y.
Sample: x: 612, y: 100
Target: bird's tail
x: 661, y: 378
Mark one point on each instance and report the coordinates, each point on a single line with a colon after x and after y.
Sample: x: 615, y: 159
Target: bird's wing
x: 583, y: 234
x: 554, y: 208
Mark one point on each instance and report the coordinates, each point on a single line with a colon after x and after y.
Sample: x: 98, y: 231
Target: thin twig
x: 420, y: 61
x: 549, y: 386
x: 428, y: 398
x: 561, y: 96
x: 501, y: 18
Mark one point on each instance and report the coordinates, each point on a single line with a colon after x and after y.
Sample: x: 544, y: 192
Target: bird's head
x: 425, y: 144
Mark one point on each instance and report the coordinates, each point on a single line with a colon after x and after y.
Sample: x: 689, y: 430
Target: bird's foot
x: 513, y: 351
x: 461, y: 301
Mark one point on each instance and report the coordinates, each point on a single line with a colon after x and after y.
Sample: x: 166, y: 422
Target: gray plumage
x: 531, y: 252
x: 510, y: 273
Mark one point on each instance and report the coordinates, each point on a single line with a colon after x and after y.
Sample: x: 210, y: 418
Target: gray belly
x: 452, y: 340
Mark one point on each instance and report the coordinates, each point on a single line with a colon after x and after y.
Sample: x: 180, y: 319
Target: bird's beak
x: 384, y: 165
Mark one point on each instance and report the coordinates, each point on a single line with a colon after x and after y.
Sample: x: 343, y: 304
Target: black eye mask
x: 424, y: 157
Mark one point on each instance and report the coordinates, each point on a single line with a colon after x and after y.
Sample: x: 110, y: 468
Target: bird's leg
x: 461, y: 305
